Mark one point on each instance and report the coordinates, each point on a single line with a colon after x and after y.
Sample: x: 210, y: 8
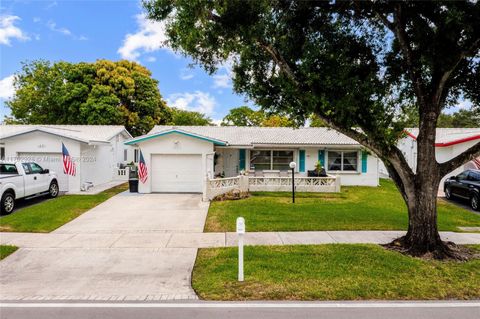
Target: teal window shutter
x: 364, y: 161
x: 241, y: 161
x: 301, y: 160
x: 321, y: 157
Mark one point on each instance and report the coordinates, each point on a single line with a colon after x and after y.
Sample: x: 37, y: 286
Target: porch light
x: 292, y: 166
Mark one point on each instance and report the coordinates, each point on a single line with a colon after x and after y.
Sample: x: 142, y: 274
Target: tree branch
x: 279, y: 59
x: 468, y: 155
x: 446, y: 75
x: 393, y: 154
x: 401, y: 34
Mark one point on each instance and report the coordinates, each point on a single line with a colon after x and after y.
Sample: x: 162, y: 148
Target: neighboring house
x: 97, y: 150
x: 449, y: 143
x: 182, y: 158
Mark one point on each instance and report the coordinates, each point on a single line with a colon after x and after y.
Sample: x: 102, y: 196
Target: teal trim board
x: 364, y: 161
x: 301, y: 160
x: 241, y: 159
x: 321, y: 157
x: 146, y: 138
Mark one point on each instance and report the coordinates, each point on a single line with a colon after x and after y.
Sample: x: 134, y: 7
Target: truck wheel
x: 7, y: 203
x: 475, y: 202
x: 53, y: 189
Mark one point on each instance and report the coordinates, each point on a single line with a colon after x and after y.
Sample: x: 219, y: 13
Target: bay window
x: 343, y: 161
x: 270, y: 159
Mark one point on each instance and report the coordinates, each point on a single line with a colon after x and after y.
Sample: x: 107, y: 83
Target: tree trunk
x: 422, y: 236
x: 420, y: 194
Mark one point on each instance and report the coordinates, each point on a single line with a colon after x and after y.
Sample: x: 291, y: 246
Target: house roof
x: 251, y: 136
x: 82, y: 133
x: 450, y: 136
x: 178, y: 131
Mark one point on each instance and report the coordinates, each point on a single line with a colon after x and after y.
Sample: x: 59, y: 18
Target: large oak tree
x: 356, y: 65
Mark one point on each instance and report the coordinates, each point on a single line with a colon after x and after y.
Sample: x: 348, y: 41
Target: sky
x: 84, y: 31
x: 88, y: 30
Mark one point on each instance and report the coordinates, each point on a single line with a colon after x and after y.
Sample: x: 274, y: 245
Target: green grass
x: 331, y: 272
x: 6, y: 250
x: 51, y: 214
x: 355, y: 208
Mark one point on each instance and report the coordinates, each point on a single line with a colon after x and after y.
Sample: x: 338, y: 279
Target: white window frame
x: 294, y: 154
x: 136, y: 155
x: 342, y: 151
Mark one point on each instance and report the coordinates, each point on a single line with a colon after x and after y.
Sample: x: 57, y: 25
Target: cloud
x: 222, y: 81
x: 197, y: 101
x: 151, y: 59
x: 9, y: 31
x: 53, y: 26
x: 185, y: 74
x: 7, y: 90
x: 464, y: 105
x: 149, y: 37
x: 51, y: 5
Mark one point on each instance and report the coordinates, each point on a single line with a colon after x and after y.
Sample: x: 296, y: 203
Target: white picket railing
x: 302, y: 184
x: 243, y: 183
x: 121, y: 174
x: 218, y: 186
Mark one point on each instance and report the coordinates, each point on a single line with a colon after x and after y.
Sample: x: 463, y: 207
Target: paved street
x: 264, y: 310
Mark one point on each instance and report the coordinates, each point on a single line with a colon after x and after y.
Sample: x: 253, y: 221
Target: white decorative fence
x: 302, y: 184
x: 218, y: 186
x: 121, y: 174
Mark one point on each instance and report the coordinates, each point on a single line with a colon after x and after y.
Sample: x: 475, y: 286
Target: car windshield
x: 8, y: 169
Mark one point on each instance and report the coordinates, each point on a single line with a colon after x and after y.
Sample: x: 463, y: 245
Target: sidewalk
x: 165, y: 239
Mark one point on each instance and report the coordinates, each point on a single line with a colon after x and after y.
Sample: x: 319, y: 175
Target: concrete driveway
x: 127, y: 212
x: 111, y: 253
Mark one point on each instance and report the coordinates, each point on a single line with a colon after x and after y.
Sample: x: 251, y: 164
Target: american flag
x: 142, y: 169
x: 69, y: 166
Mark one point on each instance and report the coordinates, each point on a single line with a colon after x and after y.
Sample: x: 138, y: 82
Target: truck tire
x: 53, y: 189
x: 7, y: 203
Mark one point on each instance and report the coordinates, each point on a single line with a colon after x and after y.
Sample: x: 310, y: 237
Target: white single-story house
x: 97, y: 150
x: 449, y: 142
x: 184, y: 158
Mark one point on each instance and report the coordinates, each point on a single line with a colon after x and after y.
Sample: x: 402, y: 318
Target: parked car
x: 465, y: 185
x: 24, y: 180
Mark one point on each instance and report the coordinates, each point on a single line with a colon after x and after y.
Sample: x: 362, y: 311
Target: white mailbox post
x: 240, y: 232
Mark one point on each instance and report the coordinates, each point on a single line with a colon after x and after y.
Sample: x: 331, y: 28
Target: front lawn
x: 331, y: 272
x: 51, y: 214
x: 355, y: 208
x: 6, y: 250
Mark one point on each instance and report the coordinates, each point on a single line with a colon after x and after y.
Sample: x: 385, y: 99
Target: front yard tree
x: 103, y: 92
x: 354, y: 64
x: 245, y: 116
x: 184, y: 117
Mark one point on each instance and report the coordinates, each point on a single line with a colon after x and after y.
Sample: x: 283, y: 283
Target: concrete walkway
x: 163, y: 239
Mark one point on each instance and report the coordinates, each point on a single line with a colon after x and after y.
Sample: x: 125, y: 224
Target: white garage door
x: 177, y: 173
x: 52, y: 161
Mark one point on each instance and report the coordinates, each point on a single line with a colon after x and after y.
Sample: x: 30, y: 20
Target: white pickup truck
x: 24, y: 180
